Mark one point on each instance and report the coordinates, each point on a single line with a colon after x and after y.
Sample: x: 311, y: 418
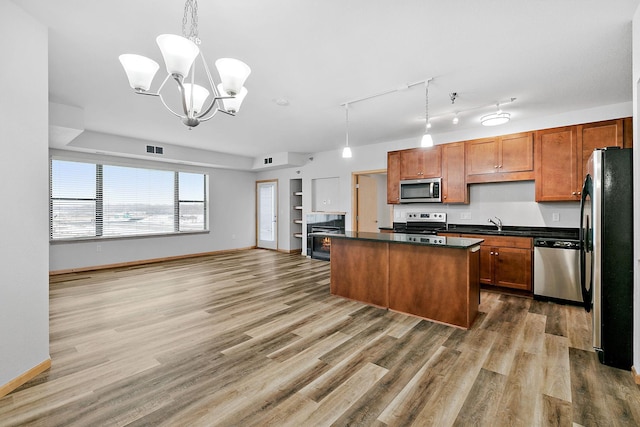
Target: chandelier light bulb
x: 178, y: 53
x: 346, y: 152
x: 140, y: 70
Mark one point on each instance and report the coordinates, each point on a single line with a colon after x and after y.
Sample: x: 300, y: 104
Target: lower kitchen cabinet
x: 506, y: 261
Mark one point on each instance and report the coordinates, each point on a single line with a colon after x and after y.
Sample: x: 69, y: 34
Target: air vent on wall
x: 153, y: 149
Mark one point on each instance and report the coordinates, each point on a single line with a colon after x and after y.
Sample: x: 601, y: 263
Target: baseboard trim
x: 30, y: 374
x: 291, y: 251
x: 145, y: 261
x: 636, y: 376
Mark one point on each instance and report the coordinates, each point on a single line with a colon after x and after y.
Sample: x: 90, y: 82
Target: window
x: 94, y: 200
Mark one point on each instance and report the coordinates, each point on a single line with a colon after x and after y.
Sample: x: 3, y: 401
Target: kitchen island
x: 433, y: 277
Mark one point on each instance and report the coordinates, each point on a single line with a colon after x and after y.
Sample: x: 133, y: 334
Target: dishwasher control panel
x: 556, y: 243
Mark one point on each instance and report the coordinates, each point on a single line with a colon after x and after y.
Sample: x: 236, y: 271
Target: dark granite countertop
x: 412, y: 239
x: 549, y: 232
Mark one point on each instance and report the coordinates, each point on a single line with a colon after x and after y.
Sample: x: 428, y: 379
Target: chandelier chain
x: 190, y: 19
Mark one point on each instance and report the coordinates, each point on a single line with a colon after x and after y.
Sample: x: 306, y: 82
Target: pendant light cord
x: 426, y: 107
x: 346, y: 109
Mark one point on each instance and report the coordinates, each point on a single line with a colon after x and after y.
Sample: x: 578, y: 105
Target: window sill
x: 133, y: 236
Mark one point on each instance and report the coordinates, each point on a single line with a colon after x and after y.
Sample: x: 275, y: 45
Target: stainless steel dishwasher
x: 556, y: 270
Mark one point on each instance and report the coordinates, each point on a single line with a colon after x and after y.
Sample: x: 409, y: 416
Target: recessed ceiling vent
x: 152, y: 149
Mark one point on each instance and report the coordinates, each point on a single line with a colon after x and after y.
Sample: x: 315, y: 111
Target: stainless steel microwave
x: 425, y: 190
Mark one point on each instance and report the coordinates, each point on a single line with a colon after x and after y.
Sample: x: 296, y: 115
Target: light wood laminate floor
x: 253, y: 338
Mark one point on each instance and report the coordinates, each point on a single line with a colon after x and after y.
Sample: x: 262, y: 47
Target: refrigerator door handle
x: 587, y: 294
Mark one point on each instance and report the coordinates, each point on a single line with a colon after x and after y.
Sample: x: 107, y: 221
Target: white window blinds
x: 100, y: 200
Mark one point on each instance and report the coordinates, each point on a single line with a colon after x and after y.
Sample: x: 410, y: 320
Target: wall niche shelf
x: 296, y: 213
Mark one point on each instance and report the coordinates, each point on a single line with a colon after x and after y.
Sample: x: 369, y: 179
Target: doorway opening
x: 369, y: 201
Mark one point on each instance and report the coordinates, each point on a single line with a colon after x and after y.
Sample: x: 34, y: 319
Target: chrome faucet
x: 497, y: 224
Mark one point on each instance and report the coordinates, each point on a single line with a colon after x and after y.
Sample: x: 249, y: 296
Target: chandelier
x: 179, y: 54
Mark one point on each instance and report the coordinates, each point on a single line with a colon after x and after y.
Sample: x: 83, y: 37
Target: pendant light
x: 427, y: 141
x: 346, y: 152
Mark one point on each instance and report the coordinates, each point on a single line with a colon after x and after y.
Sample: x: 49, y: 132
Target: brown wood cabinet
x: 561, y: 156
x: 556, y: 158
x: 505, y: 261
x: 393, y: 177
x: 432, y: 282
x: 360, y: 271
x: 418, y: 163
x: 454, y: 183
x: 501, y: 158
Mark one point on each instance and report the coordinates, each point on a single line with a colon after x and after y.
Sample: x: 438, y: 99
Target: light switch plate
x: 555, y: 217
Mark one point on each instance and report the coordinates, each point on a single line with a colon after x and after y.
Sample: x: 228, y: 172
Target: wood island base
x: 436, y: 283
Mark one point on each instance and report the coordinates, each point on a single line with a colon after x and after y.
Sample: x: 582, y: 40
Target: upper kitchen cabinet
x: 597, y: 135
x: 556, y: 164
x: 454, y: 185
x: 501, y: 158
x: 418, y: 163
x: 393, y: 177
x: 561, y: 156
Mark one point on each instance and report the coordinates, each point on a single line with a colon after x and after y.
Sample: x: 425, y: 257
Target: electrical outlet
x: 98, y: 248
x: 555, y: 217
x: 465, y: 215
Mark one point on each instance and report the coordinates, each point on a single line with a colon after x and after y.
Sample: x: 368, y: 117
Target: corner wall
x: 24, y: 191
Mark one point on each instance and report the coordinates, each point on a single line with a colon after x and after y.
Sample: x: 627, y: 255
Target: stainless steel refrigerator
x: 606, y: 258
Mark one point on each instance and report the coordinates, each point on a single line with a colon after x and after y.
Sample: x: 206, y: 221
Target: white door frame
x: 262, y: 243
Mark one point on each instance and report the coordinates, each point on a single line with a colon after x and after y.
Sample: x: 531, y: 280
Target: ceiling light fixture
x: 495, y: 119
x: 346, y: 152
x: 427, y: 140
x: 179, y: 54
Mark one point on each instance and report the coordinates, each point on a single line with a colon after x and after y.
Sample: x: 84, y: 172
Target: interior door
x: 267, y: 214
x: 367, y: 204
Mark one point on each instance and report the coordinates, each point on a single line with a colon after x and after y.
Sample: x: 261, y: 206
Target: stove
x: 422, y: 223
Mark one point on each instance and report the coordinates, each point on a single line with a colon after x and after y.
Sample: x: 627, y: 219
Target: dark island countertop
x: 412, y: 239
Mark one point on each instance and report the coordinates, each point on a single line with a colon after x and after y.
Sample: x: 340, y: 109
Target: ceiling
x: 553, y: 56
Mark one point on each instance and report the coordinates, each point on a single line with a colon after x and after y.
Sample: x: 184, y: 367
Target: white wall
x: 231, y: 218
x: 636, y: 189
x: 24, y: 190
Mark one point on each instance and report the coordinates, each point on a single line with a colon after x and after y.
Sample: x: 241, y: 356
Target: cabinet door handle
x: 491, y: 253
x: 496, y: 167
x: 497, y: 254
x: 579, y: 193
x: 500, y: 166
x: 573, y: 193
